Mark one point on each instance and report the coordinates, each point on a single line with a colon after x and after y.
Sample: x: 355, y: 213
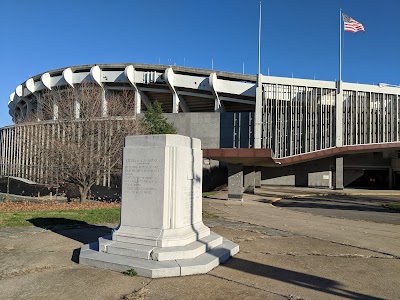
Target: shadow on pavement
x: 317, y: 283
x: 338, y: 202
x: 215, y: 198
x: 80, y: 231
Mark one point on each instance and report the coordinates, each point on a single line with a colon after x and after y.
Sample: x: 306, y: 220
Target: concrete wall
x: 204, y: 126
x: 216, y: 130
x: 320, y: 179
x: 304, y: 174
x: 320, y: 173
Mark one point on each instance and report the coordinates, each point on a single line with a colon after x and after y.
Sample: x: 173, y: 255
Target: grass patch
x: 59, y: 217
x: 208, y: 194
x: 130, y: 272
x: 207, y: 215
x: 392, y: 205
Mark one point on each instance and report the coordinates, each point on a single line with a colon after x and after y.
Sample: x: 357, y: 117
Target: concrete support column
x: 138, y: 102
x: 104, y: 104
x: 177, y: 101
x: 235, y: 182
x: 212, y: 81
x: 28, y: 108
x: 55, y: 111
x: 130, y: 74
x: 339, y: 173
x: 390, y: 179
x: 249, y: 181
x: 77, y: 109
x: 257, y: 178
x: 39, y: 107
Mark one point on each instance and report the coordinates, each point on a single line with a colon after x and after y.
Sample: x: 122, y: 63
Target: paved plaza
x: 284, y: 253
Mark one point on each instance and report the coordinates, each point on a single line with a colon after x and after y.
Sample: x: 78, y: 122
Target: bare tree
x: 83, y: 138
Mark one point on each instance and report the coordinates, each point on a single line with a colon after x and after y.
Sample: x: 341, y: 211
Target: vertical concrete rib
x: 213, y: 84
x: 258, y: 113
x: 177, y: 100
x: 130, y: 74
x: 96, y: 73
x: 339, y: 115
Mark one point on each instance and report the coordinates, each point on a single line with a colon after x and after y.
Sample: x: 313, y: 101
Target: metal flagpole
x: 258, y: 108
x: 259, y: 42
x: 340, y: 48
x: 339, y: 94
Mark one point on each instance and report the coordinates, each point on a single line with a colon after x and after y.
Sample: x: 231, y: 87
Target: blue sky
x: 298, y: 37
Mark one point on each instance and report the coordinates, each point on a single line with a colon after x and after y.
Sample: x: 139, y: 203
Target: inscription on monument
x: 142, y: 176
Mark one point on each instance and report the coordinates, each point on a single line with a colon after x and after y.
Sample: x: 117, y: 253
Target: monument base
x: 198, y: 257
x: 161, y: 231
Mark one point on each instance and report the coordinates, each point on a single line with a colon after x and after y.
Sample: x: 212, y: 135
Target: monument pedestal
x: 161, y: 232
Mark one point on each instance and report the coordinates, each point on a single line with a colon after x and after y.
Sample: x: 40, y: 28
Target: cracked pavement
x: 283, y: 254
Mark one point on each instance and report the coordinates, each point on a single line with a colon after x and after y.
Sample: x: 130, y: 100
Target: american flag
x: 352, y: 25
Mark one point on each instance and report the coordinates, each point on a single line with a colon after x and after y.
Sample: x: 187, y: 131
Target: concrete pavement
x: 384, y: 238
x: 354, y: 207
x: 283, y: 254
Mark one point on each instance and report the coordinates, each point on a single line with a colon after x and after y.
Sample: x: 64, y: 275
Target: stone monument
x: 161, y: 232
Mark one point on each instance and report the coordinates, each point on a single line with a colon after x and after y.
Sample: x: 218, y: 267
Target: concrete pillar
x: 39, y: 107
x: 235, y: 182
x: 339, y: 173
x: 212, y: 81
x: 104, y: 104
x: 257, y: 178
x: 28, y: 108
x: 249, y: 181
x: 390, y: 179
x: 55, y: 111
x: 138, y: 102
x: 77, y: 109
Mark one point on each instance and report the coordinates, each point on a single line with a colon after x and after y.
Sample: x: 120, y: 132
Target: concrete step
x: 161, y: 254
x: 90, y: 255
x: 129, y: 249
x: 148, y: 268
x: 189, y: 251
x: 206, y: 262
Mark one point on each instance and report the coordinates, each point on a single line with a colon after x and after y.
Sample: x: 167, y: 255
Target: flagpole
x: 340, y: 47
x: 259, y: 42
x: 259, y: 93
x: 339, y: 93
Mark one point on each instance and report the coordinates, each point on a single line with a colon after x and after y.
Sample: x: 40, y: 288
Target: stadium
x: 267, y: 130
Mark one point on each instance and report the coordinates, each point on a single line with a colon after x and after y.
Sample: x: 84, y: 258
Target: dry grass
x: 16, y: 206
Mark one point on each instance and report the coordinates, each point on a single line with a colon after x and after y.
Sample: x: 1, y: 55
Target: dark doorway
x: 372, y: 179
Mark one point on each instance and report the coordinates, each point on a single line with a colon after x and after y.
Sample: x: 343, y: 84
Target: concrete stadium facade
x: 303, y: 132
